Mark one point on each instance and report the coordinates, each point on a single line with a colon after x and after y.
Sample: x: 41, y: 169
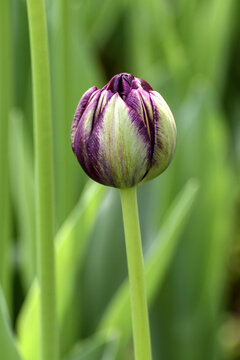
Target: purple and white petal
x: 139, y: 100
x: 83, y: 132
x: 79, y: 111
x: 121, y: 84
x: 165, y: 136
x: 120, y: 145
x: 103, y: 100
x: 140, y: 83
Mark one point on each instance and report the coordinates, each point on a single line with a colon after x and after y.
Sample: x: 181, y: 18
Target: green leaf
x: 118, y: 315
x: 23, y: 196
x: 98, y: 347
x: 70, y: 52
x: 71, y: 241
x: 6, y: 82
x: 8, y: 346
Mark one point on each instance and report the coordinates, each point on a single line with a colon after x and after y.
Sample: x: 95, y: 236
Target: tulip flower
x: 123, y: 134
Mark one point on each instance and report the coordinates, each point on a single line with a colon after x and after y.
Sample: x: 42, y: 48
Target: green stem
x: 5, y: 105
x: 44, y: 177
x: 61, y: 50
x: 140, y: 322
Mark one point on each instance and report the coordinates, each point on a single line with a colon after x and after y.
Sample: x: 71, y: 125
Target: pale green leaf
x: 71, y: 241
x: 23, y: 196
x: 118, y: 315
x: 99, y: 347
x: 8, y: 348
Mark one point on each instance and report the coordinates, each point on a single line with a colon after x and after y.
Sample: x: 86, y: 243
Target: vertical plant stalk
x: 44, y: 177
x: 5, y: 104
x: 61, y: 74
x: 140, y: 322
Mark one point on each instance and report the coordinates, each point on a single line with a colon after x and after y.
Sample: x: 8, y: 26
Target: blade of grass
x: 99, y: 347
x: 75, y: 69
x: 71, y: 242
x: 5, y: 104
x: 106, y: 251
x: 185, y: 312
x: 212, y: 289
x: 44, y: 178
x: 23, y: 197
x: 117, y: 315
x: 7, y: 342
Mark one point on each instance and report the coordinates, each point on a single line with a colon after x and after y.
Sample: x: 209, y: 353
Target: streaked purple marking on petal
x: 160, y: 137
x: 93, y: 146
x: 156, y: 119
x: 142, y: 129
x: 107, y: 178
x: 145, y: 85
x: 99, y: 171
x: 102, y: 102
x: 82, y: 134
x: 148, y: 105
x: 79, y: 111
x: 138, y: 100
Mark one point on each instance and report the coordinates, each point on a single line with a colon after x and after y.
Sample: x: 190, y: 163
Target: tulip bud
x: 124, y: 133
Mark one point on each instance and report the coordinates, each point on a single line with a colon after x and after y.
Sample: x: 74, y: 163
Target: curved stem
x: 44, y: 177
x: 140, y: 322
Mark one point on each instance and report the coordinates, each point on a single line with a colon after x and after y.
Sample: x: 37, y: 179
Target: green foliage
x: 23, y: 196
x: 71, y: 241
x: 97, y: 348
x: 188, y: 51
x: 7, y: 341
x: 5, y: 106
x: 118, y: 314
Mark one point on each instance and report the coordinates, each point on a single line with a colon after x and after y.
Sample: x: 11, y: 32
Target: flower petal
x: 79, y: 111
x: 102, y: 101
x: 165, y: 136
x: 120, y: 83
x: 139, y: 100
x: 83, y: 132
x: 119, y: 145
x: 143, y: 84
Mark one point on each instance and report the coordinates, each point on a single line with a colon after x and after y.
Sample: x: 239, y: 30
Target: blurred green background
x: 189, y: 51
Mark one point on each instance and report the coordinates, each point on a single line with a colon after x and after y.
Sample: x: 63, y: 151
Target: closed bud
x: 123, y: 134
